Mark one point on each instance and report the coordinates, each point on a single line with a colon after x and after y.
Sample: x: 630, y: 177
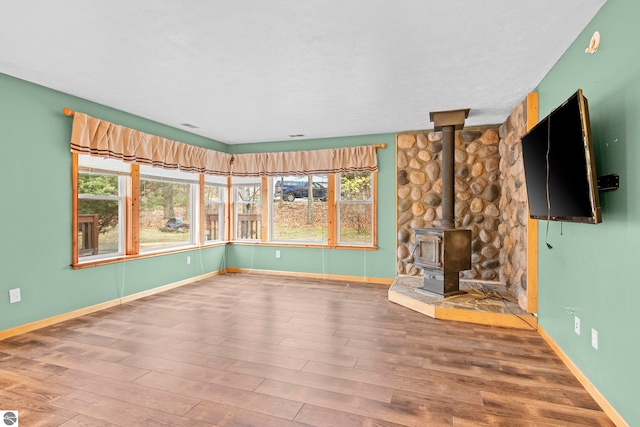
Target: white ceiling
x: 254, y: 71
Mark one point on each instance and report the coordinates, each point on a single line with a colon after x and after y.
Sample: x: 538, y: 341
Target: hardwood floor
x: 254, y: 350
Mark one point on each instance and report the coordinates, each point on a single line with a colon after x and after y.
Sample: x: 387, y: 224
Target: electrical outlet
x: 594, y: 338
x: 576, y: 325
x: 188, y: 260
x: 277, y: 254
x: 14, y: 295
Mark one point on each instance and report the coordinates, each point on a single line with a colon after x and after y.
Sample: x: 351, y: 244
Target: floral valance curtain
x: 97, y: 137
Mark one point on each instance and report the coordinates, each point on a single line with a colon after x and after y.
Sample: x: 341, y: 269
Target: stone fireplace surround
x: 490, y: 199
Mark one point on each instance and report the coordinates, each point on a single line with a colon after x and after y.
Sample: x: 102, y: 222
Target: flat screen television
x: 559, y: 166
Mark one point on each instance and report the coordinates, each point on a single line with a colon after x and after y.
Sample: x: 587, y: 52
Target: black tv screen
x: 559, y: 167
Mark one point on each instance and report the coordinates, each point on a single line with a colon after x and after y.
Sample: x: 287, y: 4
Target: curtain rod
x: 69, y: 112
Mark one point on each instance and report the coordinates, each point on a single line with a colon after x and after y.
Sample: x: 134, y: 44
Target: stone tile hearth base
x: 482, y: 303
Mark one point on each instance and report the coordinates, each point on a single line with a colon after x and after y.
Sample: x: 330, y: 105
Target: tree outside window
x: 355, y: 208
x: 100, y: 207
x: 248, y: 211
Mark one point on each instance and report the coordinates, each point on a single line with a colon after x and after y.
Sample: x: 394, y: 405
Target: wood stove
x: 442, y: 254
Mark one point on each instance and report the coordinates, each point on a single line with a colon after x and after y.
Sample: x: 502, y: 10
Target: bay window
x: 127, y: 209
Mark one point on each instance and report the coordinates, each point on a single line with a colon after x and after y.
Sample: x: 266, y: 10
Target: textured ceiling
x: 254, y: 71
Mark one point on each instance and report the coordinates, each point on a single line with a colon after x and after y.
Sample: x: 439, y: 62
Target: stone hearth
x: 486, y: 303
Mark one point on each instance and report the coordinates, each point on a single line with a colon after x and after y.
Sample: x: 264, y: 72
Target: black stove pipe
x: 448, y: 182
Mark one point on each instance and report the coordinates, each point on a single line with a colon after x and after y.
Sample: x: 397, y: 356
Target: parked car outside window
x: 291, y: 190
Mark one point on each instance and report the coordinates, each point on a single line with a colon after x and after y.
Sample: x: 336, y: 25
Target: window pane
x: 212, y: 221
x: 216, y: 180
x: 355, y: 223
x: 213, y: 213
x: 172, y: 175
x: 355, y: 186
x: 98, y: 220
x: 296, y: 217
x: 355, y: 209
x: 97, y: 185
x: 212, y: 193
x: 248, y: 212
x: 165, y: 214
x: 98, y: 227
x: 88, y: 163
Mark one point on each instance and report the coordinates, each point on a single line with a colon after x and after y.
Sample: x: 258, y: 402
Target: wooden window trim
x: 231, y: 215
x: 374, y: 231
x: 225, y: 212
x: 265, y: 209
x: 133, y: 211
x: 332, y: 215
x: 74, y: 209
x: 332, y: 223
x: 127, y: 258
x: 200, y: 238
x: 301, y: 245
x: 374, y: 214
x: 131, y: 238
x: 132, y: 214
x: 532, y: 225
x: 228, y: 212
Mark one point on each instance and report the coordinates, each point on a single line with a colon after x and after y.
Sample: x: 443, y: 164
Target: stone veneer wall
x: 513, y: 206
x: 478, y: 191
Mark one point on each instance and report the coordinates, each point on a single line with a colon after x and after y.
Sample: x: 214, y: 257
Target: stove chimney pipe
x: 448, y: 182
x: 448, y: 122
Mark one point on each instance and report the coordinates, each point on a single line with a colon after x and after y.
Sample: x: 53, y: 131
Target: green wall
x: 345, y: 262
x: 592, y: 270
x: 35, y: 214
x: 35, y: 211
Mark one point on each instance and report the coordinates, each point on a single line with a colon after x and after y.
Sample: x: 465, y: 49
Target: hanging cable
x: 252, y: 246
x: 494, y: 295
x: 223, y: 260
x: 547, y: 182
x: 124, y: 263
x: 324, y: 269
x: 364, y: 267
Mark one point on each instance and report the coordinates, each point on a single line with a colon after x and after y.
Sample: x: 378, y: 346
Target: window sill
x: 126, y: 258
x: 302, y: 245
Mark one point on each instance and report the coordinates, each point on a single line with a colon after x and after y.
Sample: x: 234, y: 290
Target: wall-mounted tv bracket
x: 608, y: 182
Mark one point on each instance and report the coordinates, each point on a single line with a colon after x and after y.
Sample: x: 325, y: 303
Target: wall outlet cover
x: 576, y: 325
x: 594, y: 339
x: 14, y: 295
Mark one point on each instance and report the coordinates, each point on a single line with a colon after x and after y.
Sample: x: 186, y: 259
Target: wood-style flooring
x: 257, y: 350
